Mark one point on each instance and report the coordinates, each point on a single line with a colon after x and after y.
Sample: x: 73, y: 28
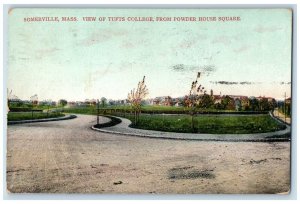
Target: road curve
x: 68, y: 157
x: 124, y: 129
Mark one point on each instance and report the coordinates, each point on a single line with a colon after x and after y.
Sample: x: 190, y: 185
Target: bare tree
x: 135, y: 98
x: 194, y: 97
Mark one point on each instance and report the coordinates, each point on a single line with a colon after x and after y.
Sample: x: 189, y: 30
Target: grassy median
x: 236, y: 123
x: 208, y: 124
x: 16, y: 116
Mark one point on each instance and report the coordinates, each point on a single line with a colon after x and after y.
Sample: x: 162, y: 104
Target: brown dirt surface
x: 69, y: 157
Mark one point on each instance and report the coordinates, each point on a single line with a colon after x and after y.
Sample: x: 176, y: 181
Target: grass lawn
x: 209, y: 124
x: 110, y: 110
x: 91, y: 110
x: 15, y: 116
x: 214, y: 124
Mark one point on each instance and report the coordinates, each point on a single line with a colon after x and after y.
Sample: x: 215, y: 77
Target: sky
x: 84, y: 60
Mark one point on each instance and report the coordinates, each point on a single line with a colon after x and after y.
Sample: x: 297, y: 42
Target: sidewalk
x: 280, y: 116
x: 124, y: 129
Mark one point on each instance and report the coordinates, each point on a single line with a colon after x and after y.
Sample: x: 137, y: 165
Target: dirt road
x: 69, y: 157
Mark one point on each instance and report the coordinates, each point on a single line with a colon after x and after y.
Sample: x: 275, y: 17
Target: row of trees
x: 199, y: 99
x: 206, y: 101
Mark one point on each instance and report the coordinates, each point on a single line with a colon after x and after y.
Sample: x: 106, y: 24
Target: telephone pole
x: 97, y: 111
x: 284, y: 107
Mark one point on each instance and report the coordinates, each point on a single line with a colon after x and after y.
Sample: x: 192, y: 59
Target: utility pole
x: 277, y: 108
x: 284, y: 107
x: 97, y: 111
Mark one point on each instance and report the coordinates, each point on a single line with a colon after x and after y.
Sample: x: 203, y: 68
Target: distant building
x: 90, y: 102
x: 72, y: 103
x: 270, y: 99
x: 157, y: 101
x: 245, y: 102
x: 238, y: 104
x: 217, y: 99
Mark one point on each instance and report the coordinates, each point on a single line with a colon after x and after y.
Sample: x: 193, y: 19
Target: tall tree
x: 264, y: 104
x: 103, y: 101
x: 135, y: 98
x: 62, y: 102
x: 254, y: 104
x: 194, y: 98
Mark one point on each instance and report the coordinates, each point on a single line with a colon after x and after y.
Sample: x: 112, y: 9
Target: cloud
x: 264, y: 29
x: 246, y: 82
x: 179, y: 67
x: 232, y: 82
x: 207, y: 69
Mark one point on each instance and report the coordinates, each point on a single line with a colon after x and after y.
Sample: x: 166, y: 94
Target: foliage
x: 136, y: 96
x: 62, y: 102
x: 103, y: 101
x: 206, y: 101
x: 254, y: 104
x: 194, y: 97
x: 264, y: 104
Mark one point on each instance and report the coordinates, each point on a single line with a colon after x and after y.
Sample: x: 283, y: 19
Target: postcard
x: 149, y: 101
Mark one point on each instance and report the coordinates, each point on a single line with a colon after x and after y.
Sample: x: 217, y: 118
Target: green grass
x: 16, y: 116
x: 209, y: 124
x: 36, y: 107
x: 92, y: 110
x: 214, y: 124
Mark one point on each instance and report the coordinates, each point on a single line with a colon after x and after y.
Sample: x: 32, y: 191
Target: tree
x: 187, y: 102
x: 272, y: 104
x: 103, y: 101
x: 62, y: 102
x: 135, y: 98
x: 264, y: 104
x: 34, y: 99
x: 219, y: 106
x: 254, y: 104
x: 194, y: 98
x: 48, y: 103
x: 206, y: 101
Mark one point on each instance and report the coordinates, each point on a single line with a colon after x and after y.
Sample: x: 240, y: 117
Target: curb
x: 193, y: 139
x: 41, y: 120
x: 265, y: 139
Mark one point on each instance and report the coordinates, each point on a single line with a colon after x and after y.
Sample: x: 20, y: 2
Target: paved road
x: 67, y: 156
